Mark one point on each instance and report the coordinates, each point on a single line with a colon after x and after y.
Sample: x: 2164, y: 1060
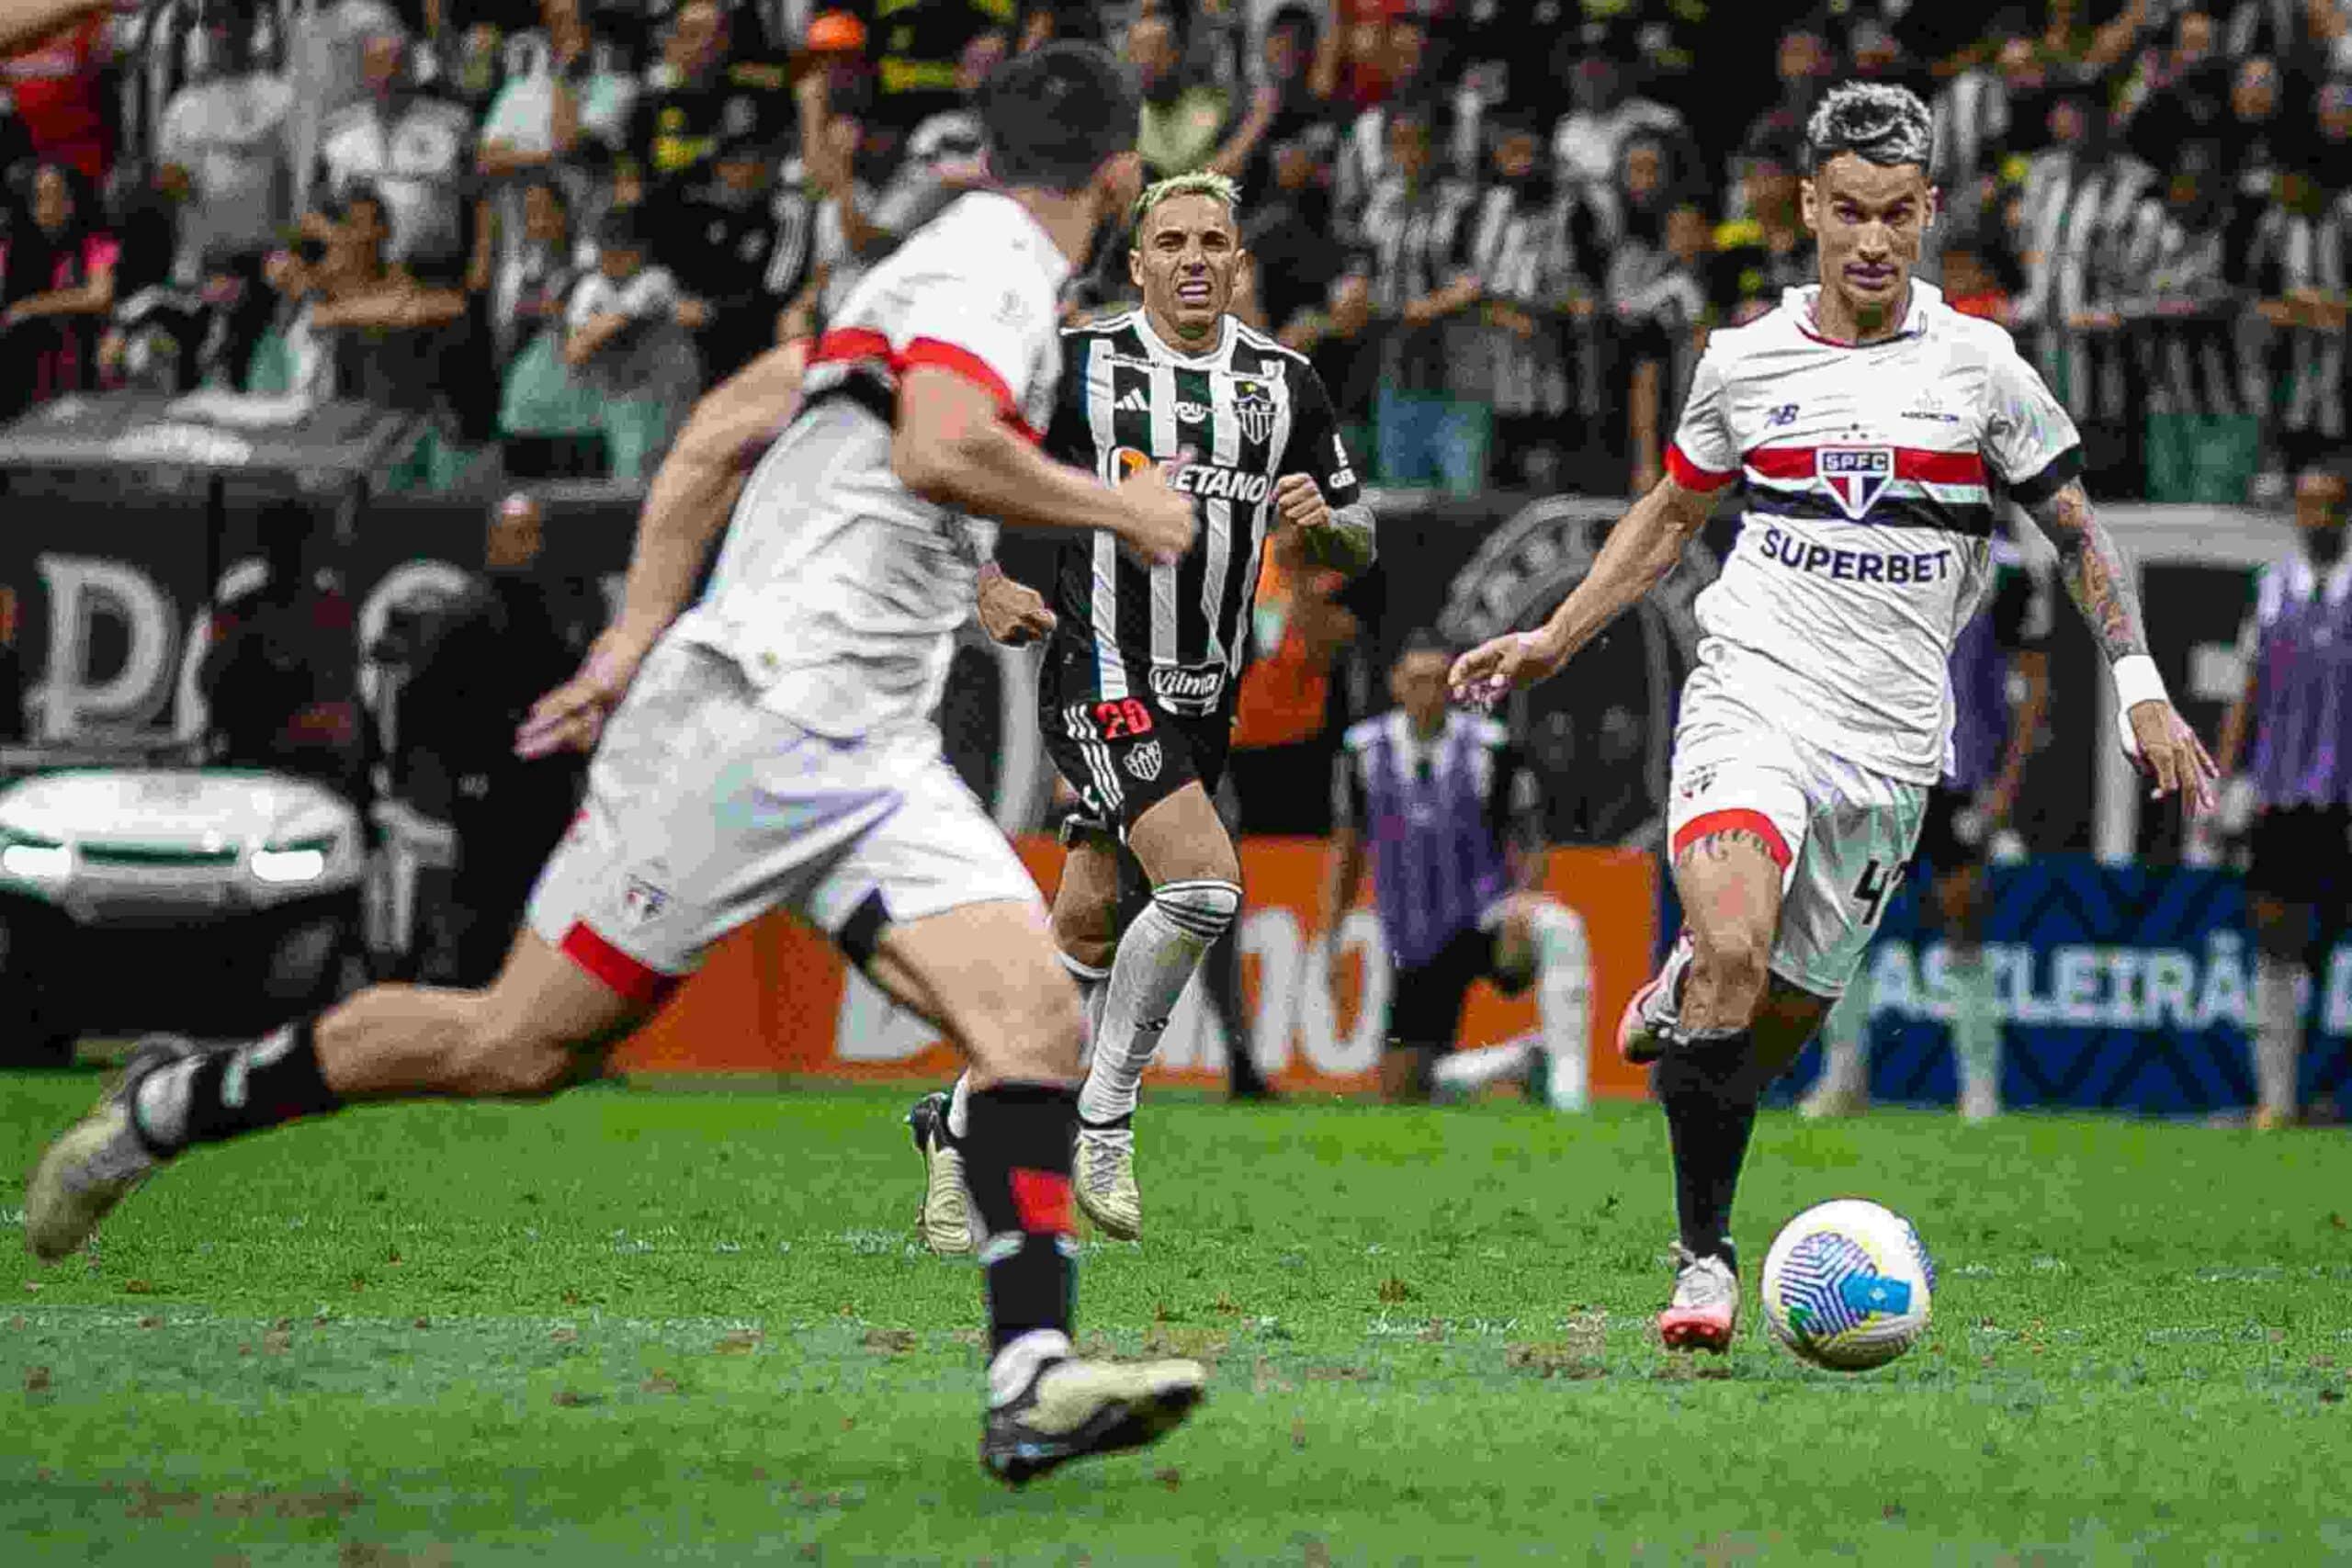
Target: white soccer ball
x: 1847, y: 1285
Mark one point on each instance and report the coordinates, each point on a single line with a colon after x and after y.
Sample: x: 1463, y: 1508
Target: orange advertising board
x: 776, y: 998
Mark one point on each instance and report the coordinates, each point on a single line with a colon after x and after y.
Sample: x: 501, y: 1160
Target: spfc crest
x: 1855, y: 476
x: 641, y: 901
x: 1255, y: 410
x: 1143, y: 761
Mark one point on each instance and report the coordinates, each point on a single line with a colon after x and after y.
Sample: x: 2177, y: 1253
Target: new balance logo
x: 1785, y: 414
x: 1134, y: 403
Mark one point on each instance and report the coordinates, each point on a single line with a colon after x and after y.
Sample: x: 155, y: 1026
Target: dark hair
x: 1055, y: 114
x: 1876, y: 122
x: 1424, y: 639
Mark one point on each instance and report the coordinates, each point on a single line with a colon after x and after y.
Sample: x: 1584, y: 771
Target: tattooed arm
x: 2099, y: 581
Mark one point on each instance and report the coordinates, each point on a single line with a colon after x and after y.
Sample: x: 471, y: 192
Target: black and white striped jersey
x: 1250, y: 412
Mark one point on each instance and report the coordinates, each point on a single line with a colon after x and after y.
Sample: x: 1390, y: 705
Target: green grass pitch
x: 632, y: 1326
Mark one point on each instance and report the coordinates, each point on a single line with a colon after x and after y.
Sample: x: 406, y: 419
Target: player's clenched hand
x: 1299, y: 501
x: 1011, y: 613
x: 1492, y: 671
x: 1159, y: 523
x: 2168, y: 752
x: 571, y: 718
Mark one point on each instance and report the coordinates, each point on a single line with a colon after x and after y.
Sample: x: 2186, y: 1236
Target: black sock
x: 1017, y: 1149
x: 1709, y: 1090
x: 224, y: 1094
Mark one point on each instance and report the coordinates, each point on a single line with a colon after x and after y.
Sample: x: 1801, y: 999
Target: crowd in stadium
x: 1502, y: 229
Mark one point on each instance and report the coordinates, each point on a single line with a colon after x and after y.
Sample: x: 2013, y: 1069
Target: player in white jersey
x: 1870, y: 423
x: 775, y: 747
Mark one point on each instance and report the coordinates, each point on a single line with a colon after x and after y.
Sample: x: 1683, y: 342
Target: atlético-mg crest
x: 1143, y: 761
x: 1855, y: 476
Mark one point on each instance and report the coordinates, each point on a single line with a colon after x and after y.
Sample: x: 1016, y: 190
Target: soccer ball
x: 1847, y: 1285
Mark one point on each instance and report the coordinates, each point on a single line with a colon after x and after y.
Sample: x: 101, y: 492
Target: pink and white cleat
x: 1705, y: 1309
x: 1642, y: 1032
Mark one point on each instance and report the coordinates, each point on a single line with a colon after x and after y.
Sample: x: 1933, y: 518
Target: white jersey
x: 1866, y: 539
x: 839, y: 590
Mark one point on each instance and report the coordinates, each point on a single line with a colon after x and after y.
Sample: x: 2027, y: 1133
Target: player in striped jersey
x: 1137, y: 696
x: 1869, y: 421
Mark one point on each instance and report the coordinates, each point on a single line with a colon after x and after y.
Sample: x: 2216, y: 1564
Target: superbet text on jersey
x: 1867, y: 536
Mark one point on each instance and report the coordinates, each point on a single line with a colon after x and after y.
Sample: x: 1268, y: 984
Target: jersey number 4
x: 1871, y: 892
x: 1121, y: 720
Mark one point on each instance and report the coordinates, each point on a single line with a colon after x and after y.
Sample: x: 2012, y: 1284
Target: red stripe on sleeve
x: 850, y: 342
x: 963, y: 362
x: 626, y: 978
x: 1041, y: 1200
x: 1910, y: 463
x: 1690, y: 475
x: 1736, y: 819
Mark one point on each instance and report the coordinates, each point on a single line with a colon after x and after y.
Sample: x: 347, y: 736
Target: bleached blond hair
x: 1217, y: 186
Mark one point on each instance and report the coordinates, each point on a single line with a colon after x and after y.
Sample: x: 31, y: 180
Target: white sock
x: 1975, y: 1024
x: 1014, y: 1367
x: 1157, y: 958
x: 1468, y: 1071
x: 1564, y: 1004
x: 959, y: 1107
x: 2277, y: 1034
x: 1093, y: 985
x: 1845, y: 1033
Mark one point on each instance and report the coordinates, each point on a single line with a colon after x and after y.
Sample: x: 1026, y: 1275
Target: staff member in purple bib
x: 2292, y: 728
x: 1450, y: 820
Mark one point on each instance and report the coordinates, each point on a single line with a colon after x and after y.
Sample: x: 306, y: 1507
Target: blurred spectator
x: 744, y: 246
x: 1658, y: 299
x: 1423, y: 279
x: 327, y: 65
x: 280, y: 674
x: 57, y: 287
x: 548, y: 418
x: 1588, y: 146
x: 512, y: 635
x: 1184, y: 120
x: 918, y: 49
x: 626, y: 337
x: 1286, y: 60
x: 1974, y: 124
x: 59, y: 88
x: 175, y: 338
x: 563, y: 83
x: 1768, y: 250
x: 2296, y: 266
x: 227, y: 130
x: 1533, y: 271
x: 412, y: 148
x: 1365, y: 148
x: 1287, y: 233
x: 690, y: 101
x: 1804, y: 65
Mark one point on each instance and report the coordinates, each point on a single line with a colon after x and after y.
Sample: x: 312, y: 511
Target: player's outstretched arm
x: 28, y: 21
x: 689, y: 502
x: 954, y: 449
x: 2099, y: 581
x: 1642, y: 548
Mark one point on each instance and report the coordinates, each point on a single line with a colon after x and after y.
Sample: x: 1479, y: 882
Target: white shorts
x: 705, y: 810
x: 1841, y: 832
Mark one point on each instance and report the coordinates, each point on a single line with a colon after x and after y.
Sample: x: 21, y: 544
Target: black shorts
x: 2303, y: 854
x: 1425, y: 999
x: 1944, y: 847
x: 1123, y: 755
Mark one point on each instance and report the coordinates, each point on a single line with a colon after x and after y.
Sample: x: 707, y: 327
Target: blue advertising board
x: 2121, y: 987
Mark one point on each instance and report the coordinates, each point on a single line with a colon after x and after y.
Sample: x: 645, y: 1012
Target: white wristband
x: 2136, y: 681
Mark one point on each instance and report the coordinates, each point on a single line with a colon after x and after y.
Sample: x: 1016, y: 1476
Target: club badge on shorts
x: 1144, y: 760
x: 641, y: 901
x: 1857, y: 476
